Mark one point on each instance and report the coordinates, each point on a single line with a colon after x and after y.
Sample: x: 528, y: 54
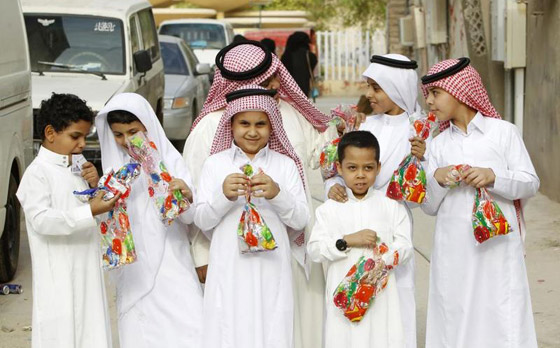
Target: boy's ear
x: 49, y: 133
x: 338, y: 166
x: 378, y: 167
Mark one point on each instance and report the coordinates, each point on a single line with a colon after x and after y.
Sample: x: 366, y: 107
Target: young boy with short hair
x: 479, y: 293
x: 248, y: 299
x: 345, y: 231
x: 69, y: 304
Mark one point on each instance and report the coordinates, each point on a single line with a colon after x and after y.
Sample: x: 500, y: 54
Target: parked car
x: 206, y: 37
x: 186, y: 87
x: 94, y: 49
x: 16, y: 131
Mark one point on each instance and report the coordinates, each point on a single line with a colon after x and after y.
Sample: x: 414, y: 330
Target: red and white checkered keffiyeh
x: 244, y: 58
x: 278, y: 140
x: 466, y: 86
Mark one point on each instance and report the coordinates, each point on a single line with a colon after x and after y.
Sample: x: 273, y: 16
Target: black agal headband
x: 243, y: 75
x: 394, y: 63
x: 452, y: 70
x: 249, y: 92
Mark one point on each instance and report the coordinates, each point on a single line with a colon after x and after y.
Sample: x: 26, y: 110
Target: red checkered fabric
x: 466, y: 86
x: 278, y: 140
x: 244, y: 58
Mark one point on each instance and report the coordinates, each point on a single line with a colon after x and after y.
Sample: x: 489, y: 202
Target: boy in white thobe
x: 159, y: 298
x: 392, y: 92
x: 479, y: 293
x: 344, y: 232
x: 69, y: 304
x: 248, y: 298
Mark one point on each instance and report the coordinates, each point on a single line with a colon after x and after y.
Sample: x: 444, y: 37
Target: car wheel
x: 9, y: 243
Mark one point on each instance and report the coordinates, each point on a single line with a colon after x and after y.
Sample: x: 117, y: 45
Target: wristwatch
x: 341, y: 244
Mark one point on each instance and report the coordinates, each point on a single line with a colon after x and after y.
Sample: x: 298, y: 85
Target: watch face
x: 341, y: 244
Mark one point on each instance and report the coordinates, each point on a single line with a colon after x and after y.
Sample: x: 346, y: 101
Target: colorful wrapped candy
x: 117, y: 244
x: 329, y: 154
x: 169, y: 205
x: 409, y: 179
x: 457, y: 174
x: 254, y: 235
x: 487, y: 218
x: 367, y: 278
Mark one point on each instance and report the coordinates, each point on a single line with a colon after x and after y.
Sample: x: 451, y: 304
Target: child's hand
x: 89, y: 173
x: 262, y: 185
x: 99, y: 206
x: 418, y: 147
x: 338, y: 193
x: 201, y: 272
x: 360, y: 118
x: 235, y: 185
x: 443, y: 175
x: 479, y: 177
x: 179, y: 184
x: 361, y: 239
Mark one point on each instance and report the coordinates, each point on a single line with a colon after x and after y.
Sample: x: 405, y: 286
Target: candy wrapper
x: 169, y: 205
x: 254, y: 235
x: 487, y: 218
x: 363, y: 282
x: 457, y: 174
x: 329, y: 154
x: 117, y: 244
x: 409, y: 179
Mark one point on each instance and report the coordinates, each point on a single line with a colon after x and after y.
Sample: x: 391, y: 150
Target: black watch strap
x: 341, y: 245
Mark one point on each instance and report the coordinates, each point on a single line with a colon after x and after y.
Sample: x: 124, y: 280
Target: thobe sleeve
x: 519, y: 180
x: 187, y: 217
x: 321, y: 246
x: 197, y: 148
x: 212, y: 204
x: 36, y: 201
x: 337, y: 179
x: 435, y: 193
x: 291, y: 202
x: 400, y: 249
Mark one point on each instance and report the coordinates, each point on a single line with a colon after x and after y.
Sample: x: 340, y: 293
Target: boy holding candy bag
x: 248, y: 299
x: 479, y: 293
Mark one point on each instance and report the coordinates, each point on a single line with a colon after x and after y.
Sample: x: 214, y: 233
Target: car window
x: 197, y: 35
x: 134, y: 39
x: 173, y: 59
x: 193, y: 61
x: 149, y: 34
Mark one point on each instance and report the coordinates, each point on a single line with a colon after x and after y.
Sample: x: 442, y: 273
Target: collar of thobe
x: 238, y: 153
x: 477, y: 123
x: 394, y: 120
x: 53, y: 157
x: 350, y: 194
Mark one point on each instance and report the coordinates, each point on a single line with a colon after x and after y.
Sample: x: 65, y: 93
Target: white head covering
x: 149, y: 233
x: 401, y: 85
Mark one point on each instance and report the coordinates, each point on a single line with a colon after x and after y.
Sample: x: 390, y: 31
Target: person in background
x: 299, y: 60
x: 270, y: 44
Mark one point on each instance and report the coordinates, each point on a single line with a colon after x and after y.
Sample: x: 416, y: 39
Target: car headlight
x: 167, y: 103
x: 179, y: 103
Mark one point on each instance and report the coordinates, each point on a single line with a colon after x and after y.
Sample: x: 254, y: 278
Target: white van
x: 206, y: 37
x: 16, y: 130
x: 94, y: 49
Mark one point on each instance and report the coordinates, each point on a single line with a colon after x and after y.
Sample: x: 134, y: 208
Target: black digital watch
x: 341, y: 245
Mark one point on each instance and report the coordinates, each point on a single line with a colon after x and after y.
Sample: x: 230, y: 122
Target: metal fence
x: 345, y: 54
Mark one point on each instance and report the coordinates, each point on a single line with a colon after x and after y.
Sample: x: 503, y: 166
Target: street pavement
x: 543, y: 265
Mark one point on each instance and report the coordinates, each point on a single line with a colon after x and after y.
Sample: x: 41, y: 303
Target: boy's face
x: 380, y: 101
x: 442, y: 104
x: 71, y: 140
x: 358, y: 169
x: 121, y: 131
x: 251, y: 131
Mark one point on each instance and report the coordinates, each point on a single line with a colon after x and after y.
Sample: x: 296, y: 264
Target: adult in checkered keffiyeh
x: 465, y: 85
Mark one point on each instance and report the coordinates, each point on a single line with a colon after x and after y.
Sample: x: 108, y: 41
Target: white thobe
x: 479, y: 294
x: 381, y: 326
x: 392, y: 133
x: 69, y: 303
x: 248, y: 299
x: 307, y: 142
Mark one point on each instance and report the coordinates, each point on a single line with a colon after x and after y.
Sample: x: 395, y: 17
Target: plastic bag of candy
x: 329, y: 154
x: 457, y: 174
x: 367, y: 278
x: 169, y: 205
x: 409, y: 179
x: 487, y: 218
x: 117, y: 244
x: 254, y: 235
